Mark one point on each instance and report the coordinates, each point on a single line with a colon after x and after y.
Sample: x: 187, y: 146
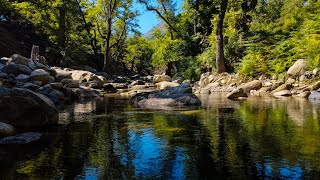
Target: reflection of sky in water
x: 149, y: 153
x: 285, y: 171
x: 90, y: 174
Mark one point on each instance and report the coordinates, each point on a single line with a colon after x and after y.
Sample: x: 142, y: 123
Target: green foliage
x: 138, y: 53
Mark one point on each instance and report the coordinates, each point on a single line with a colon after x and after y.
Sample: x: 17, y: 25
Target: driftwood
x: 35, y: 55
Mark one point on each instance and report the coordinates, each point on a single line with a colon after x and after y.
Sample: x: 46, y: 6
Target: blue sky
x: 147, y: 20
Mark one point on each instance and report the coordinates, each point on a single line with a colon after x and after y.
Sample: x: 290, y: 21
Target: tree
x: 220, y: 60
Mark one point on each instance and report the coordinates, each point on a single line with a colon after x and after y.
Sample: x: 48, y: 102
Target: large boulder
x: 23, y: 78
x: 26, y: 109
x: 252, y: 85
x: 237, y: 93
x: 160, y: 78
x: 298, y: 68
x: 24, y: 138
x: 314, y: 96
x: 283, y: 93
x: 18, y: 59
x: 175, y: 96
x: 16, y: 69
x: 41, y: 75
x: 55, y: 95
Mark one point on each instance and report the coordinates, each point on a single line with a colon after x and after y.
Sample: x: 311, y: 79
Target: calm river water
x: 110, y: 139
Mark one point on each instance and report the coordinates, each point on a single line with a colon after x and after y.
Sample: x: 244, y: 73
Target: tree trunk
x: 220, y: 60
x: 62, y: 29
x: 107, y: 55
x: 62, y: 26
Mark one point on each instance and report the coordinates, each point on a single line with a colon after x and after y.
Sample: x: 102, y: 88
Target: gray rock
x: 87, y: 92
x: 70, y: 83
x: 26, y: 109
x: 6, y: 129
x: 160, y: 78
x: 36, y: 65
x: 298, y: 68
x: 252, y: 85
x: 31, y: 86
x: 41, y: 75
x: 16, y: 69
x: 18, y: 59
x: 57, y: 85
x: 314, y: 96
x: 3, y: 75
x: 56, y: 96
x: 283, y: 87
x: 23, y: 78
x: 175, y: 96
x: 24, y: 138
x: 109, y: 88
x: 283, y: 93
x: 237, y: 93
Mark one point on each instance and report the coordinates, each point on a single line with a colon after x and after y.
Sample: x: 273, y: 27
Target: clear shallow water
x: 109, y: 139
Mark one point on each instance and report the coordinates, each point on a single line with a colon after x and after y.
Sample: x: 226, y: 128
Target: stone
x: 6, y: 130
x: 24, y: 138
x: 302, y: 78
x: 55, y: 95
x: 26, y: 109
x: 166, y: 84
x: 315, y: 72
x: 94, y: 85
x: 100, y: 80
x: 315, y: 86
x: 252, y: 85
x: 70, y: 93
x: 16, y: 69
x: 267, y: 84
x: 283, y: 87
x: 139, y: 87
x: 160, y: 78
x: 3, y: 75
x: 41, y: 75
x: 237, y: 93
x: 18, y: 59
x: 137, y: 82
x: 57, y: 85
x: 175, y: 96
x: 31, y: 86
x: 109, y: 88
x: 314, y: 96
x: 34, y: 65
x: 23, y: 78
x: 298, y: 68
x: 70, y: 83
x: 187, y: 81
x: 87, y: 92
x: 283, y: 93
x: 4, y: 60
x: 304, y: 94
x: 120, y: 80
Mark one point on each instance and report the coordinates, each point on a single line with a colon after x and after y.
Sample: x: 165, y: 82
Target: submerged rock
x: 24, y: 138
x: 26, y: 109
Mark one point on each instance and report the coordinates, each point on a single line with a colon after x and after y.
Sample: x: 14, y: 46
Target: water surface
x: 110, y: 139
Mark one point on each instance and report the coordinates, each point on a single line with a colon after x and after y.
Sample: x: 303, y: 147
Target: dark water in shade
x: 109, y: 139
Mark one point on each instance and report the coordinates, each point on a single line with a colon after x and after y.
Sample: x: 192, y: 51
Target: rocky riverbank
x: 31, y: 92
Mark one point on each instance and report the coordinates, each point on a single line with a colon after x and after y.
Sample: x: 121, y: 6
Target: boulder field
x: 31, y: 91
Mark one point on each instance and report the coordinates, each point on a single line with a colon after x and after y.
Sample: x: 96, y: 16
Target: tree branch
x: 150, y: 8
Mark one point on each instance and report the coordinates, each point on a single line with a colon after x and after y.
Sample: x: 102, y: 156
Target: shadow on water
x: 107, y: 138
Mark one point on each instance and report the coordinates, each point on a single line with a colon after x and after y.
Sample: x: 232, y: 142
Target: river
x: 107, y: 138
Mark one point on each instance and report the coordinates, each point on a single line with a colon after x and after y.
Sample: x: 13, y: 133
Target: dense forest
x: 251, y: 37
